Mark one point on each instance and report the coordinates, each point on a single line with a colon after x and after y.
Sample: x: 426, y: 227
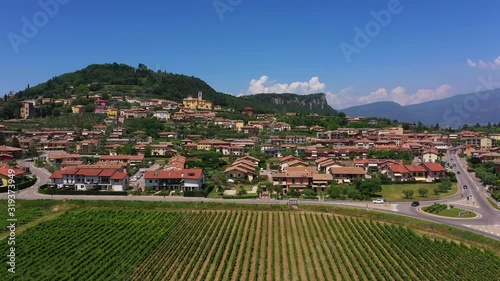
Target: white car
x: 378, y: 201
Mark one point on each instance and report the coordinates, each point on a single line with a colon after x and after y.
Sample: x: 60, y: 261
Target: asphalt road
x: 488, y: 215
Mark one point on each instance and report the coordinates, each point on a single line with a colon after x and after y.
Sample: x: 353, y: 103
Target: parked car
x: 458, y: 172
x: 465, y: 186
x: 415, y: 203
x: 378, y: 201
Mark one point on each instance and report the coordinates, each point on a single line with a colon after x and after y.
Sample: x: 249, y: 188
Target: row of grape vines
x: 253, y: 245
x: 239, y: 245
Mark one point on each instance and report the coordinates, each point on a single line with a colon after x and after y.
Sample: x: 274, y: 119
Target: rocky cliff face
x: 310, y: 102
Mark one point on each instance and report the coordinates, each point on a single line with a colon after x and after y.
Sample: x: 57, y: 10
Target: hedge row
x: 194, y: 194
x: 246, y: 196
x: 20, y: 186
x: 388, y: 182
x: 52, y: 191
x: 435, y: 208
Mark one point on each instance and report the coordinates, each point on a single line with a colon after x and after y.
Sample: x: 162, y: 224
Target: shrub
x: 246, y: 196
x: 196, y: 193
x: 423, y: 192
x: 408, y: 193
x: 52, y: 191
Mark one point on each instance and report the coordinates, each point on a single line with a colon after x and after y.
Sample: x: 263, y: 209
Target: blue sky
x: 244, y: 47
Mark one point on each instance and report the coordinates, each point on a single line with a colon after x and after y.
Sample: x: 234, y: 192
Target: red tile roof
x: 347, y: 171
x: 107, y: 172
x: 434, y: 167
x: 414, y: 169
x: 63, y: 156
x: 57, y: 175
x: 179, y: 174
x: 119, y: 176
x: 322, y: 177
x: 4, y: 171
x: 122, y: 157
x: 398, y: 168
x: 89, y: 172
x: 4, y: 148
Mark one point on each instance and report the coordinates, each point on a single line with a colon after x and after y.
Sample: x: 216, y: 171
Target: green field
x: 394, y: 192
x: 239, y: 243
x: 25, y: 212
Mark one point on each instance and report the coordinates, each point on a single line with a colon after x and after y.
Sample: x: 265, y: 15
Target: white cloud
x: 343, y: 99
x: 347, y: 97
x: 264, y: 85
x: 482, y: 64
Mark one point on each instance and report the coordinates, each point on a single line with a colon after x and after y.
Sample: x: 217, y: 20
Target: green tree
x: 445, y: 185
x: 3, y: 140
x: 436, y: 191
x: 278, y: 189
x: 218, y: 178
x: 148, y: 150
x: 127, y: 149
x: 241, y: 190
x: 309, y: 193
x: 369, y: 186
x: 56, y: 112
x: 90, y: 107
x: 423, y: 192
x: 334, y: 191
x: 15, y: 142
x: 408, y: 193
x: 32, y: 151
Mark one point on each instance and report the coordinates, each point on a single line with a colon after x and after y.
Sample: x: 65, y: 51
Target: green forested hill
x: 125, y: 80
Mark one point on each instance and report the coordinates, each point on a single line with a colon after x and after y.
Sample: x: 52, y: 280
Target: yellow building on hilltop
x: 113, y: 112
x: 198, y: 103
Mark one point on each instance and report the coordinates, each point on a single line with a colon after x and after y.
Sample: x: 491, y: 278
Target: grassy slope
x: 394, y: 192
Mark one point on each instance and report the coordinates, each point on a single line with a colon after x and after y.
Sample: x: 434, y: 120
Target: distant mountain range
x: 124, y: 80
x: 479, y: 107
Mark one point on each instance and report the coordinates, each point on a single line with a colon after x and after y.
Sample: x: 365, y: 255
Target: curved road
x: 489, y: 217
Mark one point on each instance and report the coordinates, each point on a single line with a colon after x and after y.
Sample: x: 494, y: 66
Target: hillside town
x: 268, y: 155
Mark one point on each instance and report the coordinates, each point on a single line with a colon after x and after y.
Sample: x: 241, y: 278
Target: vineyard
x: 110, y: 244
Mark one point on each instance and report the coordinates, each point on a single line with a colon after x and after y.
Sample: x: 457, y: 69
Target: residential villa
x: 185, y: 179
x: 90, y: 178
x: 347, y: 174
x: 426, y: 171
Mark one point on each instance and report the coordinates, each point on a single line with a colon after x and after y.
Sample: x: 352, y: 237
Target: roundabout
x: 442, y: 210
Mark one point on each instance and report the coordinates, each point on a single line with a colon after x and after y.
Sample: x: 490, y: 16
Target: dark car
x: 458, y: 172
x: 465, y: 186
x: 454, y: 165
x: 415, y: 203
